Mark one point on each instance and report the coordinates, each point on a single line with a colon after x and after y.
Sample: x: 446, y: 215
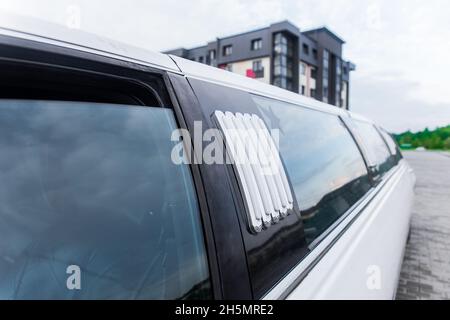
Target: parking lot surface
x: 425, y: 272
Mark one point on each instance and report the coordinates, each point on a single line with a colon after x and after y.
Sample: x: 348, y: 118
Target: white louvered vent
x: 261, y: 175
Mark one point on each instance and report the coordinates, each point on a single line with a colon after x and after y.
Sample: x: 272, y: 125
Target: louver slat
x: 267, y: 161
x: 282, y: 172
x: 253, y: 215
x: 251, y: 153
x: 261, y: 176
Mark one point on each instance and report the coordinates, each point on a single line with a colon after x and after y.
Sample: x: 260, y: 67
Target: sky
x: 401, y: 47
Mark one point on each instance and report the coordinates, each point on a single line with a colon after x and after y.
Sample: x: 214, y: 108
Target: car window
x: 92, y: 207
x: 376, y: 149
x: 324, y: 164
x: 390, y: 143
x: 396, y: 155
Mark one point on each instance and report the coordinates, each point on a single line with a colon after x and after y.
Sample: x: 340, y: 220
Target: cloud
x: 387, y: 102
x: 400, y: 44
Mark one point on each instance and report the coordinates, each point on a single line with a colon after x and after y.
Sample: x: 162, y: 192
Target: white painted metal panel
x: 42, y: 31
x: 216, y: 75
x: 365, y: 262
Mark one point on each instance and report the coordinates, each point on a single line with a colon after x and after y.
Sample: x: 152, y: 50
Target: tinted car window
x: 324, y: 164
x: 374, y: 146
x: 92, y: 207
x: 393, y: 148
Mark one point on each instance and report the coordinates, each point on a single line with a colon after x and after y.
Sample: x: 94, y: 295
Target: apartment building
x: 308, y: 62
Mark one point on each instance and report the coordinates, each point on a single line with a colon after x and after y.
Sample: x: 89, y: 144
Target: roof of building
x: 307, y: 33
x: 326, y: 30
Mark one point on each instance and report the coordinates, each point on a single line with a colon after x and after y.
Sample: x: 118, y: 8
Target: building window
x: 305, y: 49
x: 257, y: 69
x: 314, y: 73
x: 227, y: 67
x: 338, y: 82
x: 303, y: 90
x: 212, y: 55
x: 257, y: 65
x: 315, y: 55
x: 283, y: 61
x: 227, y: 50
x: 256, y: 44
x: 325, y: 75
x: 302, y: 69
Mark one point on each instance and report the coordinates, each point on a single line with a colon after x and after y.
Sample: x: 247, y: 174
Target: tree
x: 447, y: 143
x: 430, y: 139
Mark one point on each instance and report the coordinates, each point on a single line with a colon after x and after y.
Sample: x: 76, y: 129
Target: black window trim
x: 254, y: 41
x: 208, y: 236
x: 225, y: 49
x: 28, y: 53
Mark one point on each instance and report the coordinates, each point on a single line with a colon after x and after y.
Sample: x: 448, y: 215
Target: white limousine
x: 93, y: 205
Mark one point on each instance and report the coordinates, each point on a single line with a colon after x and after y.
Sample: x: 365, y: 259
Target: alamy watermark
x: 73, y: 16
x: 373, y: 281
x: 247, y: 147
x: 73, y: 281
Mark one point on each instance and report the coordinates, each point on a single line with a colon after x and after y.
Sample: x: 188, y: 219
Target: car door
x: 336, y: 236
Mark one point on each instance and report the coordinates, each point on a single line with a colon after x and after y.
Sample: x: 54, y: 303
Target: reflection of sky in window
x: 377, y: 151
x: 316, y: 149
x: 94, y: 185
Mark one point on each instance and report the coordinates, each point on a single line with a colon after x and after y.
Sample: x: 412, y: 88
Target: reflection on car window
x: 375, y: 147
x: 324, y: 164
x: 93, y: 186
x: 393, y: 148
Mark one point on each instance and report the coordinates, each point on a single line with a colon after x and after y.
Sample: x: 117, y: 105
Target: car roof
x: 223, y: 77
x: 38, y: 30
